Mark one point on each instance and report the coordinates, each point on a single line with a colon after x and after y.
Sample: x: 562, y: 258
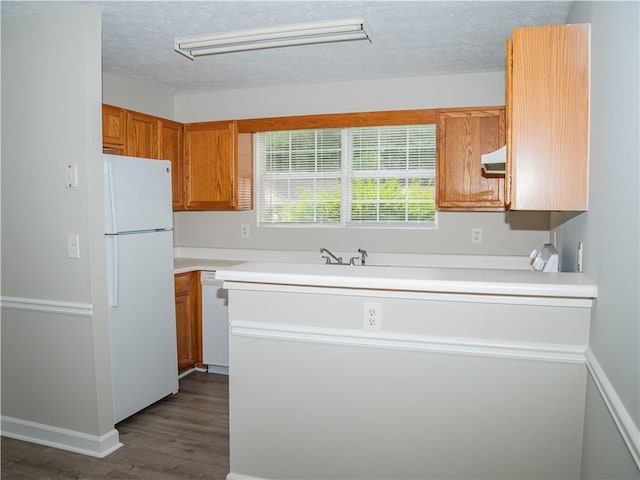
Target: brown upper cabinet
x: 171, y: 147
x: 547, y: 118
x: 464, y: 134
x: 218, y: 173
x: 125, y: 132
x: 218, y: 167
x: 142, y: 136
x: 114, y: 129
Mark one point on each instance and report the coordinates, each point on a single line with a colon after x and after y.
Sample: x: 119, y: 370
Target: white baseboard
x: 237, y: 476
x: 218, y: 369
x: 71, y: 440
x: 627, y: 428
x: 185, y: 373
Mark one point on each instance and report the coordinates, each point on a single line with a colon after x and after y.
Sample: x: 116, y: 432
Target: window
x: 365, y: 176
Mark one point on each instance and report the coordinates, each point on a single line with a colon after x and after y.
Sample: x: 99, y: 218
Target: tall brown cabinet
x: 548, y: 118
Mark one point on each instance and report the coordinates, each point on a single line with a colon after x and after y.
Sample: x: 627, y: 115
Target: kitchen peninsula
x: 390, y: 372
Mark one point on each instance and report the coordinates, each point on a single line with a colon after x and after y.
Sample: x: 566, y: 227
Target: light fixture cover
x: 290, y: 35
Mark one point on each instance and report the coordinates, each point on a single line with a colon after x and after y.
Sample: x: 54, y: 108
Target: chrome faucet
x: 338, y: 260
x: 363, y: 256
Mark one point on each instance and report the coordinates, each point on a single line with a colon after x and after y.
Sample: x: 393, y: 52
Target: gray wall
x: 513, y: 234
x: 55, y: 366
x: 604, y: 457
x: 415, y: 400
x: 478, y: 89
x: 132, y: 96
x: 610, y: 229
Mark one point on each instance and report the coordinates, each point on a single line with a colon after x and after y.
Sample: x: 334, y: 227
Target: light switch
x: 71, y: 175
x: 73, y: 245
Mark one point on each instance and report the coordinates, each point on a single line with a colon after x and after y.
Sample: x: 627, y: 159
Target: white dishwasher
x: 215, y: 324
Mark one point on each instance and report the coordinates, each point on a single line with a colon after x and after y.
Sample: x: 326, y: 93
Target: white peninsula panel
x: 473, y: 374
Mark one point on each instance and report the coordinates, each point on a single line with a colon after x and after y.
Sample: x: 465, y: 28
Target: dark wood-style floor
x: 183, y: 436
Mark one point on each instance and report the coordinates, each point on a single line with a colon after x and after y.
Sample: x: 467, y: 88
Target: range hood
x: 493, y: 163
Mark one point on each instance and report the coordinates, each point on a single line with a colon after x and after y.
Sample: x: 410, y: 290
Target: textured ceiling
x: 410, y: 38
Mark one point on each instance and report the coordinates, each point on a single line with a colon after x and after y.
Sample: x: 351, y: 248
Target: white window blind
x: 299, y: 176
x: 369, y: 176
x: 392, y: 175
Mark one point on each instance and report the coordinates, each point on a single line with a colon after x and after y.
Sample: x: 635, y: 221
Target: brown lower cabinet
x: 188, y: 322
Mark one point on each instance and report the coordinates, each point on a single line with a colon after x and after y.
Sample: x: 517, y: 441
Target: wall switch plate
x: 71, y: 175
x: 73, y: 245
x: 244, y: 230
x: 476, y: 235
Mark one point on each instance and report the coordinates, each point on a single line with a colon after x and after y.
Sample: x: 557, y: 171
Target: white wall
x: 610, y: 229
x: 513, y: 234
x: 55, y: 357
x: 125, y: 94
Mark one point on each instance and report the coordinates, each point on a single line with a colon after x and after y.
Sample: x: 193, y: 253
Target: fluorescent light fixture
x: 285, y: 36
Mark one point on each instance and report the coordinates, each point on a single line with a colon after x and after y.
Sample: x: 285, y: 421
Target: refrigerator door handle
x: 114, y: 288
x: 111, y: 186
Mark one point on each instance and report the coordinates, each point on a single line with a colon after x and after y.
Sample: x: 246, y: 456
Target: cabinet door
x: 508, y: 176
x: 548, y: 94
x: 171, y: 147
x: 142, y: 136
x: 113, y: 129
x: 187, y: 325
x: 463, y: 136
x: 211, y: 166
x: 245, y: 171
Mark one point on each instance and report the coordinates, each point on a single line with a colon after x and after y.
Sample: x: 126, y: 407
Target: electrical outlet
x: 371, y: 317
x: 476, y: 235
x: 244, y: 230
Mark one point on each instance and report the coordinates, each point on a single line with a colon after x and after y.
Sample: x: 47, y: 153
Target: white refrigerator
x: 139, y: 246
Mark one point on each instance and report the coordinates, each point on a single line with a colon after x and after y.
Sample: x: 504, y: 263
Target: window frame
x: 339, y: 120
x: 344, y: 121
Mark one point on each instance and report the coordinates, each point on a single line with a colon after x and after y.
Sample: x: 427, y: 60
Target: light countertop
x: 184, y: 265
x: 420, y: 279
